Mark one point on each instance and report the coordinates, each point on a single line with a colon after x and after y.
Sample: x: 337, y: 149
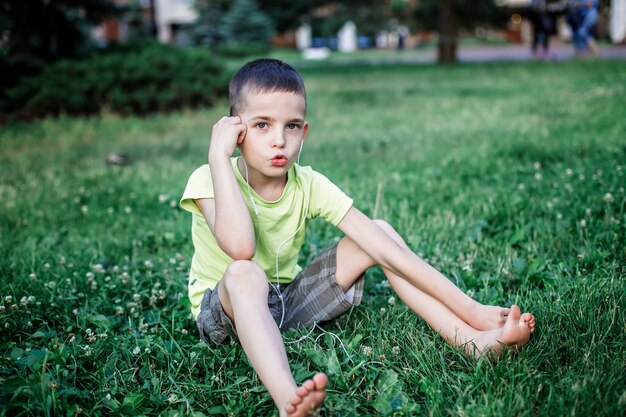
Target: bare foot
x: 483, y: 317
x: 308, y: 397
x: 517, y: 328
x: 515, y: 333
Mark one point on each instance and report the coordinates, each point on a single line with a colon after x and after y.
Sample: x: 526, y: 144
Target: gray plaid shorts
x: 313, y: 296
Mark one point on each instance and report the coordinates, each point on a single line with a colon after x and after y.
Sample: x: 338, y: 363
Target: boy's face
x: 275, y: 131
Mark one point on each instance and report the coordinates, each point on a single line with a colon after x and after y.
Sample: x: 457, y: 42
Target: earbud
x: 300, y: 151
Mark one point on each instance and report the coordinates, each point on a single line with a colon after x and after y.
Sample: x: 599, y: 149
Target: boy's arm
x: 227, y: 214
x: 388, y: 254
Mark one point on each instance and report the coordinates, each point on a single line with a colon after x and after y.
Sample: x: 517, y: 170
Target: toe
x: 309, y: 385
x: 321, y: 380
x: 302, y: 392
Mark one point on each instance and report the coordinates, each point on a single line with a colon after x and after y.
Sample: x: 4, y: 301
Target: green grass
x: 496, y: 174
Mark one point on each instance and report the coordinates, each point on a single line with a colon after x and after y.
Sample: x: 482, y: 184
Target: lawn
x: 509, y: 178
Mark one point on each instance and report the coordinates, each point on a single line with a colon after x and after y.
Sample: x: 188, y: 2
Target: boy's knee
x: 244, y: 275
x: 387, y: 228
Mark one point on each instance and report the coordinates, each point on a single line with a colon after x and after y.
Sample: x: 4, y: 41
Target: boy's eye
x: 261, y: 125
x: 293, y: 126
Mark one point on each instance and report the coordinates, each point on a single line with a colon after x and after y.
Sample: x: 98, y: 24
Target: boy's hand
x: 227, y: 133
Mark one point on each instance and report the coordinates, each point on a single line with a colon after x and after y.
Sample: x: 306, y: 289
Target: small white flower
x: 97, y: 268
x: 8, y: 299
x: 89, y: 275
x: 184, y: 331
x: 84, y: 209
x: 163, y: 198
x: 173, y: 204
x: 367, y: 351
x: 108, y: 397
x: 537, y: 165
x: 391, y: 300
x: 588, y: 212
x: 521, y: 186
x: 583, y: 223
x: 538, y: 176
x: 136, y: 350
x: 128, y: 210
x: 559, y: 216
x: 172, y: 398
x: 569, y: 172
x: 148, y: 264
x: 608, y: 198
x: 137, y: 297
x: 33, y: 276
x: 46, y: 266
x: 395, y: 350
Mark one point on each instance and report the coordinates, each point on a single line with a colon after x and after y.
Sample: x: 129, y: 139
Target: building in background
x: 160, y: 19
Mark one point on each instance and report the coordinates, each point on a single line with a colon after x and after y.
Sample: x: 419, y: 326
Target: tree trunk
x: 447, y: 46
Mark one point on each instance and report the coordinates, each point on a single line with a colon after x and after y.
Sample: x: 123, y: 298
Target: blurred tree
x: 245, y: 23
x: 370, y: 16
x: 50, y: 30
x: 207, y: 31
x: 288, y: 14
x: 448, y: 16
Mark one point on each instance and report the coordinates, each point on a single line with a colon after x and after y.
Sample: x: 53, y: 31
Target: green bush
x: 156, y: 78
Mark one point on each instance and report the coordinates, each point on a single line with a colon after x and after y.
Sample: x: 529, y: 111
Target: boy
x: 249, y: 220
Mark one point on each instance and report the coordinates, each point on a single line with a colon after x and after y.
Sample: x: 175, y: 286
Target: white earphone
x: 258, y: 237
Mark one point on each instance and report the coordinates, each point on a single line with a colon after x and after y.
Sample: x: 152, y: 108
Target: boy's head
x: 263, y: 76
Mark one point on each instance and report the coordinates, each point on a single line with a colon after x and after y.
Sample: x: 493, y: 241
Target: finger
x: 242, y: 134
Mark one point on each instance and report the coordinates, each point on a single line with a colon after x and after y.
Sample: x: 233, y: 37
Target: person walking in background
x: 582, y: 18
x: 542, y: 25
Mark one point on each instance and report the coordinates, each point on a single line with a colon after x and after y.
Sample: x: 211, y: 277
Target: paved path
x: 470, y: 54
x: 520, y: 52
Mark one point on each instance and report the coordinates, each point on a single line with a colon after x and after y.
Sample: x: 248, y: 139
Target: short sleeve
x: 327, y: 200
x: 199, y: 185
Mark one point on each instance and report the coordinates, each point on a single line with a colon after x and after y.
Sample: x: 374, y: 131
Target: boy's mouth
x: 279, y: 160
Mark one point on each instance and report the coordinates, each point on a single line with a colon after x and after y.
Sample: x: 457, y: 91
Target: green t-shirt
x: 280, y: 225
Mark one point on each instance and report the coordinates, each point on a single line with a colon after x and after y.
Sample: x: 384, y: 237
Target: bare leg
x: 479, y: 316
x: 243, y: 296
x: 351, y: 261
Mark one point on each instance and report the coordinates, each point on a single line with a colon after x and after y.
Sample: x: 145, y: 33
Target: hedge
x: 154, y: 78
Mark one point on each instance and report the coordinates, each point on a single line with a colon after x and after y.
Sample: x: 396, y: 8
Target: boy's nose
x: 279, y: 140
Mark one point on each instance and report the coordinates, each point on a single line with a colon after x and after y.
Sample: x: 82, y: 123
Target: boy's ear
x: 305, y: 129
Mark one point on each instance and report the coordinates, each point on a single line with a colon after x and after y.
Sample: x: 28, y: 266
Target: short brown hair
x: 263, y: 76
